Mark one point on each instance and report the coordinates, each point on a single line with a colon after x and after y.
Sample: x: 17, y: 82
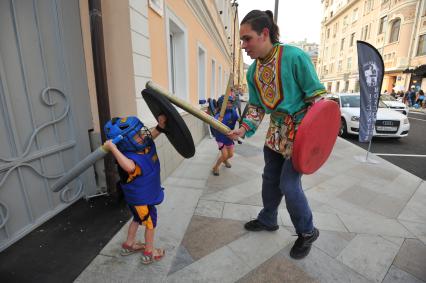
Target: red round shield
x: 316, y: 136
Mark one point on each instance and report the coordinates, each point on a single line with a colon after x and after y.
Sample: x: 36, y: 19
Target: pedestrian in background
x: 282, y: 82
x: 224, y: 143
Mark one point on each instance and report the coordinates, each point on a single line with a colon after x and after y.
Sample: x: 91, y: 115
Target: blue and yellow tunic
x: 229, y: 119
x: 283, y: 84
x: 143, y: 186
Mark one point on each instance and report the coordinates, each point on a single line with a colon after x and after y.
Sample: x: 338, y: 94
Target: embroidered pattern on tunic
x: 268, y: 84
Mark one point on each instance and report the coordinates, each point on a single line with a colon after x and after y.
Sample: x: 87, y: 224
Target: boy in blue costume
x: 139, y: 170
x: 225, y: 144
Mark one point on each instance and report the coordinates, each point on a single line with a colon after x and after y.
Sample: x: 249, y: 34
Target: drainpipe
x: 99, y: 64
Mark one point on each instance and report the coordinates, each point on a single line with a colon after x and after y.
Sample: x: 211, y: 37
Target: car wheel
x: 343, y: 132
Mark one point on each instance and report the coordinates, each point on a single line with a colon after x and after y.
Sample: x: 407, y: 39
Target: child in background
x: 139, y: 170
x: 225, y: 144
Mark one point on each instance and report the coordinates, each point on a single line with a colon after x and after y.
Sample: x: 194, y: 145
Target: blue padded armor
x: 146, y: 188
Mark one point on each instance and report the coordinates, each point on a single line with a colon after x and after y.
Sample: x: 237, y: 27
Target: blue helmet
x: 135, y: 135
x: 222, y: 97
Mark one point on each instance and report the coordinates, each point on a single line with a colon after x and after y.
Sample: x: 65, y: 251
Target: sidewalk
x: 372, y: 220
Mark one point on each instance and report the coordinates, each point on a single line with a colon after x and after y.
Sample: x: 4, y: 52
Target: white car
x: 389, y: 123
x: 394, y: 104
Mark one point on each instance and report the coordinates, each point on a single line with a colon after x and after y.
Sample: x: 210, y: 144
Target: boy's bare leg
x: 230, y: 153
x: 222, y: 158
x: 149, y: 239
x: 131, y: 233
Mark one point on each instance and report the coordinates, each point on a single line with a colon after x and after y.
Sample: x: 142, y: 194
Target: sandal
x: 128, y: 250
x: 150, y: 257
x: 227, y: 164
x: 215, y: 172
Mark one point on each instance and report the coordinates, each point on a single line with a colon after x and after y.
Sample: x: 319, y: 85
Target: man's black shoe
x: 303, y: 244
x: 256, y: 225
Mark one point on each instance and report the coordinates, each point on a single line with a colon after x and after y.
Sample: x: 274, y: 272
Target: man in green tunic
x: 282, y: 82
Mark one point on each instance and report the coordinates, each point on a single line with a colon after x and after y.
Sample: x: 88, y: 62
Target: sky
x: 297, y: 19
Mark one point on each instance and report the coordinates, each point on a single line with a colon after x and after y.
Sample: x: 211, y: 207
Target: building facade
x: 50, y: 94
x: 396, y: 28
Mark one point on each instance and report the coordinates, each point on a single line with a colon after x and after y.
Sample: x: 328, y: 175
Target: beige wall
x: 196, y: 34
x: 118, y: 53
x: 119, y: 66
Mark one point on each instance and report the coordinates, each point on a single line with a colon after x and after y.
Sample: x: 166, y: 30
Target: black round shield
x: 176, y: 130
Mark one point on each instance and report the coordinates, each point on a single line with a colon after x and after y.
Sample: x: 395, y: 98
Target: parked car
x: 394, y: 103
x: 389, y: 123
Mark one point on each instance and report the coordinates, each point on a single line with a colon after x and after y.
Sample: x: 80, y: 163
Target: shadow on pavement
x: 60, y: 249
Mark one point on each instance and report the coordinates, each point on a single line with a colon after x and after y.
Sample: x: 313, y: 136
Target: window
x: 365, y: 33
x: 339, y: 66
x: 368, y: 6
x: 351, y: 43
x: 345, y: 23
x: 213, y: 81
x: 177, y: 55
x: 383, y: 24
x: 335, y: 29
x: 421, y: 49
x: 201, y: 73
x: 342, y: 44
x: 328, y: 33
x: 394, y: 34
x: 349, y: 64
x: 355, y: 15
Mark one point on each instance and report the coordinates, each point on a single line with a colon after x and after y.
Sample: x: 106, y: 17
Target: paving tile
x: 220, y: 266
x: 412, y: 258
x: 109, y: 269
x: 323, y: 221
x: 227, y: 178
x: 415, y: 211
x: 396, y: 275
x: 248, y: 150
x: 388, y: 206
x: 309, y: 181
x: 276, y: 270
x: 396, y: 240
x: 209, y: 208
x: 418, y: 229
x: 256, y: 247
x: 235, y: 193
x: 322, y: 267
x: 185, y: 183
x: 358, y: 195
x: 205, y: 235
x: 375, y: 225
x: 182, y: 259
x: 370, y: 256
x: 254, y: 199
x: 240, y: 212
x: 332, y: 243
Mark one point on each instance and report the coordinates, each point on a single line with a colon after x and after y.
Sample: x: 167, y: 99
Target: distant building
x: 310, y: 48
x: 397, y: 28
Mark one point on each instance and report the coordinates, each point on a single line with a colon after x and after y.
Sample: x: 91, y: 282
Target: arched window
x: 394, y: 34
